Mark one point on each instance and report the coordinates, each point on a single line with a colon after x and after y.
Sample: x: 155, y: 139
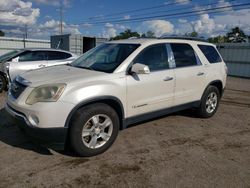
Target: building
x: 77, y: 44
x: 237, y: 58
x: 8, y: 44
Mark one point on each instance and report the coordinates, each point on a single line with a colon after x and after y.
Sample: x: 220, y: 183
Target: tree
x: 149, y: 34
x: 126, y: 34
x: 218, y: 39
x: 2, y: 33
x: 192, y: 34
x: 236, y: 35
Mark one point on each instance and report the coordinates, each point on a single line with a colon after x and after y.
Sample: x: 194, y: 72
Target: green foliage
x: 125, y: 35
x: 218, y: 39
x: 148, y: 34
x: 233, y: 36
x: 192, y: 34
x: 236, y: 35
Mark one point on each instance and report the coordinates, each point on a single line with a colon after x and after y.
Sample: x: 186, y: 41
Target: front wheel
x: 93, y: 129
x: 209, y: 102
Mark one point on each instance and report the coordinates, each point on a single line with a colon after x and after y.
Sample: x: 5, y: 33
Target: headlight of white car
x: 46, y: 93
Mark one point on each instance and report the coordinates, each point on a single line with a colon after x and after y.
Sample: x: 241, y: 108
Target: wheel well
x: 115, y: 104
x: 219, y: 85
x: 3, y: 74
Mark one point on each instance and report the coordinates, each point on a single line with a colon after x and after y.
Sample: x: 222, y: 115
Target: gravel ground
x: 178, y: 150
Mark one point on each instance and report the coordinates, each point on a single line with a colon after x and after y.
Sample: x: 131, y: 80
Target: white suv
x: 114, y: 85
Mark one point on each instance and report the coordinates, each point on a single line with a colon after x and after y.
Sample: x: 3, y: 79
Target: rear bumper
x: 54, y: 138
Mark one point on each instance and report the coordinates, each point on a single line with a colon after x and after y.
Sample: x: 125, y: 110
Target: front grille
x: 16, y: 89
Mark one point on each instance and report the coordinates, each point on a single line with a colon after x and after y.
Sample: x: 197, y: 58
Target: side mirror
x: 15, y: 59
x: 139, y: 68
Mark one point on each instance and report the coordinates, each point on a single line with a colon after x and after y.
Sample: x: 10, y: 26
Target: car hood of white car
x: 59, y: 74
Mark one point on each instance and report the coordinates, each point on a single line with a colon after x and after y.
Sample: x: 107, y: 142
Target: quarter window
x: 55, y: 55
x: 184, y: 55
x: 211, y: 54
x: 155, y: 57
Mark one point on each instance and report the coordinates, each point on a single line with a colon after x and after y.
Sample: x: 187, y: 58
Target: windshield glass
x: 9, y: 55
x: 106, y: 57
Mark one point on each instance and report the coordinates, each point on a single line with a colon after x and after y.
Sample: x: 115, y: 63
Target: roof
x: 157, y: 40
x: 47, y: 49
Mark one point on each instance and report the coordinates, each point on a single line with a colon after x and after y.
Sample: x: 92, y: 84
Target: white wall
x: 7, y: 44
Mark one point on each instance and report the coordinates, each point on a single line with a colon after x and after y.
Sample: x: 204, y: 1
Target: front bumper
x: 54, y: 138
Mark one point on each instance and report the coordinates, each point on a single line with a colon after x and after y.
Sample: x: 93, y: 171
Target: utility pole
x: 61, y: 18
x: 26, y: 31
x: 25, y: 35
x: 60, y: 10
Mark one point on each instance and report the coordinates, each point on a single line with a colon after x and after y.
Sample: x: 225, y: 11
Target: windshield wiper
x: 88, y: 68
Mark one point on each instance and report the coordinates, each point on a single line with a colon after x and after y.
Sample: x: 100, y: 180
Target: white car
x: 19, y: 61
x: 114, y: 85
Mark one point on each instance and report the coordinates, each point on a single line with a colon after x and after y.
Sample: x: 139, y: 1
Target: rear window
x: 211, y: 53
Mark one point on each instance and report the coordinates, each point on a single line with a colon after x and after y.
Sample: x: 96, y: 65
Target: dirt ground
x: 178, y: 150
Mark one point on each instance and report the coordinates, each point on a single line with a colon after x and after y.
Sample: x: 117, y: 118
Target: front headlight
x: 46, y: 93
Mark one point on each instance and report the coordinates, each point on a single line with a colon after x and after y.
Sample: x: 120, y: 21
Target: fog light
x: 33, y: 119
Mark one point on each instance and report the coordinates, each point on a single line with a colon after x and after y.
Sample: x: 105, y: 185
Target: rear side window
x: 32, y: 56
x: 55, y: 55
x: 211, y: 53
x: 155, y: 57
x: 184, y: 55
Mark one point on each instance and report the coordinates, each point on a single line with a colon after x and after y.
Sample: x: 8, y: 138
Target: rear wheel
x: 2, y: 83
x: 209, y: 102
x: 93, y: 130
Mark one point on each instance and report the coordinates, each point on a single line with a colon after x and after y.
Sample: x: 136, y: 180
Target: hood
x: 59, y: 74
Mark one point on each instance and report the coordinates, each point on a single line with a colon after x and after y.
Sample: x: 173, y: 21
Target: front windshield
x: 106, y: 57
x: 9, y: 55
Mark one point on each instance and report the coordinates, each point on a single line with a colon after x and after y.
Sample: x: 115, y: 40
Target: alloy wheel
x: 97, y: 131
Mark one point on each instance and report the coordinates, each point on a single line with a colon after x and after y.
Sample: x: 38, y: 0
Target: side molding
x: 159, y: 113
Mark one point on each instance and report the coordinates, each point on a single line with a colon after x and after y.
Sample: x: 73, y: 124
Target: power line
x: 193, y: 15
x: 142, y: 9
x: 155, y: 12
x: 172, y: 10
x: 168, y: 15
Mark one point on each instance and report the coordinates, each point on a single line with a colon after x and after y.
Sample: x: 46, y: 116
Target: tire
x: 209, y: 102
x: 87, y: 126
x: 3, y: 83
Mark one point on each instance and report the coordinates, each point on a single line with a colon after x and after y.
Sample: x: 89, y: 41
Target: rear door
x: 28, y: 60
x: 58, y: 58
x: 189, y: 73
x: 153, y: 91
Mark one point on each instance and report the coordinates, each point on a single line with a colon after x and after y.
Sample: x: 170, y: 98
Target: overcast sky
x: 97, y: 17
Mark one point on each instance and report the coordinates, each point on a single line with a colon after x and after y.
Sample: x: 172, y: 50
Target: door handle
x: 41, y: 65
x: 168, y: 78
x: 200, y: 73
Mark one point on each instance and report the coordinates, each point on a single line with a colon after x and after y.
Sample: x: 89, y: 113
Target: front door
x: 153, y: 91
x: 28, y: 60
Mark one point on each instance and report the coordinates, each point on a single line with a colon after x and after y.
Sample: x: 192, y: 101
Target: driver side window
x: 32, y: 56
x: 155, y: 57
